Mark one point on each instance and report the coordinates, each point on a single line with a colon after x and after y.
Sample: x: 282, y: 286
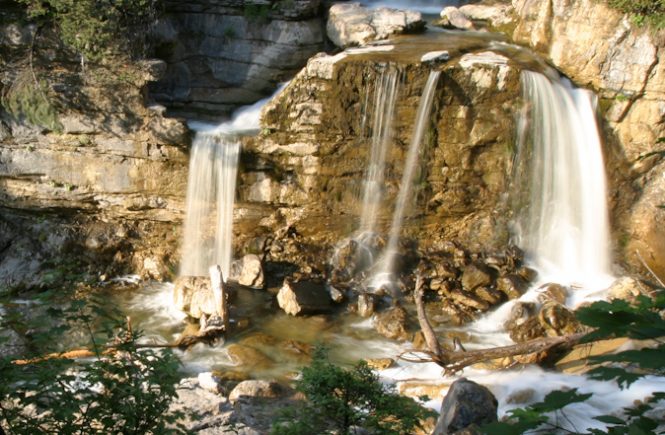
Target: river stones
x: 476, y: 275
x: 392, y: 323
x: 625, y: 288
x: 513, y: 286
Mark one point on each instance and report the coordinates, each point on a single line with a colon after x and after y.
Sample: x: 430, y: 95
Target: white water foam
x: 565, y: 230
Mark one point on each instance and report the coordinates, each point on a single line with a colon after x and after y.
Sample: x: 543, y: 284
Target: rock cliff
x: 222, y: 54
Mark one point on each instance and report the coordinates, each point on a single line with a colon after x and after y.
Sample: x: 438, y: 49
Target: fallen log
x: 454, y: 361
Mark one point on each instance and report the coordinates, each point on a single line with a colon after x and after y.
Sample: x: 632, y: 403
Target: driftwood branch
x: 454, y: 361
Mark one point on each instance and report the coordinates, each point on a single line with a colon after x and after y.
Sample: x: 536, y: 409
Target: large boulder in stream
x: 304, y: 297
x: 351, y: 24
x: 467, y: 403
x: 193, y: 295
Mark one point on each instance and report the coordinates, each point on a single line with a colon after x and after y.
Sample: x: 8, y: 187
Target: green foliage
x: 95, y: 28
x: 122, y: 390
x: 651, y: 12
x: 642, y: 320
x: 340, y: 399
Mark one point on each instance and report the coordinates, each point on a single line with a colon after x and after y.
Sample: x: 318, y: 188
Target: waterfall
x: 383, y: 277
x: 565, y: 227
x: 211, y: 185
x: 385, y: 96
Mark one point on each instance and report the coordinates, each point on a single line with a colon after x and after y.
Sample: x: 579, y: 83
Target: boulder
x: 476, y: 275
x: 193, y: 295
x: 256, y: 389
x: 248, y: 271
x: 351, y: 24
x: 467, y: 403
x: 303, y: 297
x: 452, y: 17
x: 495, y: 15
x: 392, y: 323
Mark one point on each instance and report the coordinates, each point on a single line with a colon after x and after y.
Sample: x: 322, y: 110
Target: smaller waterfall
x: 566, y: 227
x: 384, y: 275
x: 385, y: 96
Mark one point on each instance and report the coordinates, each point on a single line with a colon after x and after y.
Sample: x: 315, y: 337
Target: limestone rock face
x: 351, y: 24
x: 467, y: 403
x: 599, y: 47
x: 223, y: 54
x: 315, y: 154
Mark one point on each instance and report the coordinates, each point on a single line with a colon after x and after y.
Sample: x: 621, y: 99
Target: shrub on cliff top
x: 95, y: 28
x: 651, y: 12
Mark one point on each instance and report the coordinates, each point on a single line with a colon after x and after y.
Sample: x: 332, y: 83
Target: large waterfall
x: 384, y: 275
x: 565, y: 229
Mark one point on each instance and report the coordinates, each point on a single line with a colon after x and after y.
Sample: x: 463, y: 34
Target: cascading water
x: 385, y: 96
x: 385, y: 271
x: 210, y: 197
x: 565, y: 229
x: 213, y: 169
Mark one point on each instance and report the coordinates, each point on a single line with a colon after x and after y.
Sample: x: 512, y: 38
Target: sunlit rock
x: 256, y: 389
x: 304, y: 297
x: 248, y: 271
x: 352, y: 24
x: 495, y: 15
x: 453, y: 17
x: 392, y: 323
